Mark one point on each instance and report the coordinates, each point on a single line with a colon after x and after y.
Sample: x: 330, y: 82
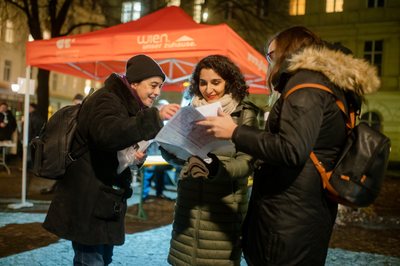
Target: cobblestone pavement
x: 151, y: 248
x: 374, y: 238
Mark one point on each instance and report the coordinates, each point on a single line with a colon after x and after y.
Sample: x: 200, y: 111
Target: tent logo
x: 64, y: 43
x: 162, y: 41
x: 260, y: 64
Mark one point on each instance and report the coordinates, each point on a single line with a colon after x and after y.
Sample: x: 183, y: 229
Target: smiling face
x: 148, y: 90
x: 211, y: 85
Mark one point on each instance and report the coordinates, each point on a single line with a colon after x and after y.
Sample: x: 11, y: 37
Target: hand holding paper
x: 183, y: 138
x: 221, y: 126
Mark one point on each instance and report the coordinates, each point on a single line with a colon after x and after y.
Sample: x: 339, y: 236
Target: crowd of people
x: 287, y: 219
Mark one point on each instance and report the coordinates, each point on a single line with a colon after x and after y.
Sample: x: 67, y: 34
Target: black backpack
x: 358, y: 174
x: 51, y: 150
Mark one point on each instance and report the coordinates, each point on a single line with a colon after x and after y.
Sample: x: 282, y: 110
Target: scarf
x: 134, y: 93
x: 227, y: 102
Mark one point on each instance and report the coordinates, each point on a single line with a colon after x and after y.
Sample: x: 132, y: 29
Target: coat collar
x: 345, y: 71
x: 116, y: 84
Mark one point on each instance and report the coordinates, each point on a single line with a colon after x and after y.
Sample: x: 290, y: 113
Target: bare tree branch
x: 70, y: 29
x: 16, y: 4
x: 59, y: 19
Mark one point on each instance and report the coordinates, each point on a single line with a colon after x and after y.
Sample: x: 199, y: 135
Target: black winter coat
x: 90, y: 201
x: 290, y: 219
x: 11, y: 124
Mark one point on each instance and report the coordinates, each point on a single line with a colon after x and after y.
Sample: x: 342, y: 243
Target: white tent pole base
x: 25, y: 204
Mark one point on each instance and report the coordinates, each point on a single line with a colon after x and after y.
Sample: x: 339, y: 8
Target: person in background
x: 156, y: 173
x: 78, y: 98
x: 90, y: 202
x: 8, y: 124
x: 36, y: 122
x: 290, y: 218
x: 211, y: 203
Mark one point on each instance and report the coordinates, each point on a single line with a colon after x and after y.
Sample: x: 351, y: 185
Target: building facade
x: 14, y: 34
x: 371, y: 29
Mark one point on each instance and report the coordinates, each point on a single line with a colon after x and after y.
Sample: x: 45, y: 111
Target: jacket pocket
x: 274, y: 248
x: 109, y: 204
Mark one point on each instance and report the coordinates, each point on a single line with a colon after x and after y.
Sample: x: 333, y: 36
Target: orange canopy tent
x: 169, y: 35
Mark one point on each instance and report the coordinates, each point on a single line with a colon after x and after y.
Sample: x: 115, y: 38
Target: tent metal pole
x: 24, y: 203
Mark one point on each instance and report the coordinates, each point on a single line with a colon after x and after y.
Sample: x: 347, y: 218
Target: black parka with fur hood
x: 290, y: 219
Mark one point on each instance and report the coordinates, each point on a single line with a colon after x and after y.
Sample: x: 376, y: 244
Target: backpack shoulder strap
x: 350, y: 123
x: 351, y: 117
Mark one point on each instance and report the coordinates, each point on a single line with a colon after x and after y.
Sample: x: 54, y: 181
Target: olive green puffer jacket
x: 209, y: 211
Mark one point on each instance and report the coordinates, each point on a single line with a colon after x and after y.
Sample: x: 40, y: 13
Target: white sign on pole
x: 21, y: 84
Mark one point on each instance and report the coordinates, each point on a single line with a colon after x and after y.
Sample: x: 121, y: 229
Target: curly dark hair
x: 224, y: 67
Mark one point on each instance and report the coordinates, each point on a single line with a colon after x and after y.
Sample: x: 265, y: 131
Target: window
x: 228, y: 14
x: 130, y: 11
x: 297, y: 7
x: 373, y: 51
x: 54, y: 82
x: 262, y: 8
x: 373, y: 120
x: 9, y: 32
x: 204, y: 16
x: 7, y: 70
x: 75, y: 83
x: 375, y: 3
x: 46, y: 35
x: 334, y: 6
x: 174, y: 3
x: 198, y: 10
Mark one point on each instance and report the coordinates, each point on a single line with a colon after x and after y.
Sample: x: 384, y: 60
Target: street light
x: 15, y: 87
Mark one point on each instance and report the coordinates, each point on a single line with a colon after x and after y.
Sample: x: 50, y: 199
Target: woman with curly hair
x: 211, y: 203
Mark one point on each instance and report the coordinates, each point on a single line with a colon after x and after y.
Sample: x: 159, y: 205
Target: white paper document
x: 143, y: 145
x: 181, y: 137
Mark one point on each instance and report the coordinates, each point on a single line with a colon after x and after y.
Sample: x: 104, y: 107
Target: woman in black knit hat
x: 89, y: 204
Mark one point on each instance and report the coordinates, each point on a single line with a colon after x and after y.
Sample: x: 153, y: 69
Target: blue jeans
x: 157, y: 173
x: 96, y: 255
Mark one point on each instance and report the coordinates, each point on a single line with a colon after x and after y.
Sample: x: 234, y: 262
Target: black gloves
x: 171, y: 158
x: 213, y: 165
x: 198, y: 168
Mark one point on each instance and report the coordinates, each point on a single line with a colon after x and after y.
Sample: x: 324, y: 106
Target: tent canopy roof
x: 168, y: 35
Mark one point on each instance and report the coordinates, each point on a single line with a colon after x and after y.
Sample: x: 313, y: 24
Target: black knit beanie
x: 141, y: 67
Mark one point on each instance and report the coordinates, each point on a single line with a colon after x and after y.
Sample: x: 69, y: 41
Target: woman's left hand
x: 168, y: 111
x: 140, y: 157
x: 221, y: 126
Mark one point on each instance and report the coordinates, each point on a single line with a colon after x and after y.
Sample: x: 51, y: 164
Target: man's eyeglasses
x: 269, y: 57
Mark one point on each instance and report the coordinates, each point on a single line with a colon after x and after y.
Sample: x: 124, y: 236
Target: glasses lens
x: 269, y: 57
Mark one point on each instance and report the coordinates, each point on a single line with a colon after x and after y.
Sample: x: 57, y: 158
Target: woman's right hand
x: 221, y: 126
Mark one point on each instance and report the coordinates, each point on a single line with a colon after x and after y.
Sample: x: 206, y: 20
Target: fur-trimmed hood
x: 344, y: 70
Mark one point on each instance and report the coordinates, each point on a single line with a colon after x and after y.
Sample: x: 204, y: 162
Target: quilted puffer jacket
x: 209, y: 211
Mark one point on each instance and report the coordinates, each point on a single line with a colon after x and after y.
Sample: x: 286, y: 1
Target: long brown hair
x: 288, y: 42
